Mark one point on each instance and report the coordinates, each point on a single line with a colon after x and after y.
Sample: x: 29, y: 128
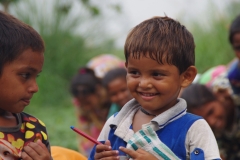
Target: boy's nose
x: 33, y: 88
x: 145, y: 83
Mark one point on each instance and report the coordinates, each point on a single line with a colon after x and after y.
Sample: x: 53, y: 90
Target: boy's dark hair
x: 234, y: 28
x: 114, y: 74
x: 197, y: 95
x: 84, y: 82
x: 164, y: 39
x: 16, y: 37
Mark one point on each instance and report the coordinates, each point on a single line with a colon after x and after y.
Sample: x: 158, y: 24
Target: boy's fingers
x: 39, y: 142
x: 141, y: 151
x: 103, y: 147
x: 108, y: 143
x: 106, y: 154
x: 131, y: 153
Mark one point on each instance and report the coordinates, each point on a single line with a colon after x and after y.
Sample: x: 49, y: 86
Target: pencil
x: 85, y: 135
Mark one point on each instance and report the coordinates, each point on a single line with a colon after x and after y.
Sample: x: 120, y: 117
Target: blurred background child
x: 203, y: 102
x: 234, y: 68
x: 116, y: 85
x: 92, y: 105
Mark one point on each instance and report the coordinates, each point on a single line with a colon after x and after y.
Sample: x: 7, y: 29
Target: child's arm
x: 139, y: 154
x: 105, y: 151
x: 36, y: 151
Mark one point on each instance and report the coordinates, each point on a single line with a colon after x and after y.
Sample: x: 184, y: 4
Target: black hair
x: 84, y: 82
x: 197, y: 95
x: 114, y: 74
x: 162, y: 39
x: 234, y: 28
x: 16, y: 37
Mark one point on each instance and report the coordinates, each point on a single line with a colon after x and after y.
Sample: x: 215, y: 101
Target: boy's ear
x: 126, y: 64
x: 188, y: 76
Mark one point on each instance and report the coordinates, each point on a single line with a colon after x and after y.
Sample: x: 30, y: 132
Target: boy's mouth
x: 148, y: 94
x: 26, y: 101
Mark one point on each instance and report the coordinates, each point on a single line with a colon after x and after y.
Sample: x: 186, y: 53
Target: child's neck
x: 7, y: 119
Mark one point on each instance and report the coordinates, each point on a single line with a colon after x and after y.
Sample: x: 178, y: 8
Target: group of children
x: 150, y: 120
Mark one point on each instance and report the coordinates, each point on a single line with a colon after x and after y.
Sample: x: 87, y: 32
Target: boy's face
x: 236, y: 44
x: 119, y: 92
x: 155, y: 86
x: 18, y: 81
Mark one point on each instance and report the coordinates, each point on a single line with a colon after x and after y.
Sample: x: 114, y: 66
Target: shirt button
x: 196, y: 152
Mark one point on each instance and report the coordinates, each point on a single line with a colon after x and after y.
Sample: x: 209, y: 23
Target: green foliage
x: 212, y: 45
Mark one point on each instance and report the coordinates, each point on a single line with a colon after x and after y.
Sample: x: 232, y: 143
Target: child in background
x: 202, y: 101
x: 92, y: 105
x: 216, y: 80
x: 116, y: 85
x: 160, y: 59
x: 234, y: 68
x: 22, y: 136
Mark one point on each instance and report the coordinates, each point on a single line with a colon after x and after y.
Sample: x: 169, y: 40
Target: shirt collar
x: 175, y: 112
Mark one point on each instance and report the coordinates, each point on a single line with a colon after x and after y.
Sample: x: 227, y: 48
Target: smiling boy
x: 160, y: 59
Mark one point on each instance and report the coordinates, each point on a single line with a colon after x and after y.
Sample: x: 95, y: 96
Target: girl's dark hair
x: 197, y: 95
x: 234, y: 28
x: 84, y: 82
x: 114, y: 74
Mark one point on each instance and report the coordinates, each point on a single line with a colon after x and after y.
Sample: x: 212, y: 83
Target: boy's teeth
x: 148, y: 94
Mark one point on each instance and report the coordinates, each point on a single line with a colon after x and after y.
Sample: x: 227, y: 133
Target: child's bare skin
x: 138, y: 154
x: 105, y: 152
x: 36, y: 151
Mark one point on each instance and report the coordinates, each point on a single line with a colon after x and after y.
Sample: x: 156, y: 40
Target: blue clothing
x: 234, y: 76
x: 173, y: 127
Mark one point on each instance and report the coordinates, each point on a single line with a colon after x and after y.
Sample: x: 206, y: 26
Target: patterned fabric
x: 29, y: 129
x: 148, y: 140
x: 229, y: 142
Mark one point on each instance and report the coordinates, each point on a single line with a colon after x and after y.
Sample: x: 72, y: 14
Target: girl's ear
x: 188, y: 76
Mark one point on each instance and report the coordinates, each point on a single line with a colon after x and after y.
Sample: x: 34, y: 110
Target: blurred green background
x: 66, y: 51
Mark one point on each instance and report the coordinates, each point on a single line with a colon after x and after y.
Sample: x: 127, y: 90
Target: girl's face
x: 89, y: 100
x: 119, y: 92
x: 214, y: 113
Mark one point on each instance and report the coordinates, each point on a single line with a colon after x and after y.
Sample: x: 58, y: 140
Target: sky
x: 135, y: 11
x: 132, y: 13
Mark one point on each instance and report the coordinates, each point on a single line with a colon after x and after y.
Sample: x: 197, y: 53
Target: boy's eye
x: 25, y: 75
x: 155, y: 74
x: 134, y: 72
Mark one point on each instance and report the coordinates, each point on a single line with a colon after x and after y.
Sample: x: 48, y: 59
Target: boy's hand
x: 105, y: 152
x: 138, y: 154
x: 36, y: 151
